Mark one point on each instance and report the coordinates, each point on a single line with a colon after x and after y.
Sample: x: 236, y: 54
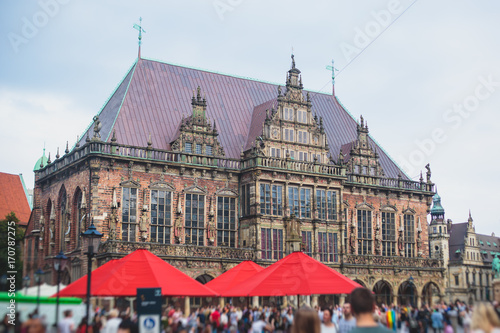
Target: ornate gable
x: 360, y: 156
x: 286, y: 128
x: 195, y: 134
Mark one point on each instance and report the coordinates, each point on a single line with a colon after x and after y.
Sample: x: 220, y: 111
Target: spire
x: 437, y: 210
x: 141, y: 30
x: 333, y: 69
x: 57, y: 155
x: 469, y: 221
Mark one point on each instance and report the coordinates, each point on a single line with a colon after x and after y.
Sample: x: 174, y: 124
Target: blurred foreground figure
x: 362, y: 307
x: 306, y: 320
x: 485, y: 319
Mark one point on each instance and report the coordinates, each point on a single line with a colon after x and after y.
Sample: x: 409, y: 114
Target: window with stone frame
x: 288, y: 114
x: 161, y: 216
x: 271, y: 199
x: 326, y: 204
x: 388, y: 234
x: 293, y: 201
x: 328, y: 247
x: 198, y: 149
x: 208, y: 150
x: 365, y: 240
x: 302, y: 116
x: 409, y: 235
x: 188, y: 147
x: 307, y: 246
x: 245, y: 200
x: 226, y: 221
x: 456, y: 280
x: 194, y: 219
x: 271, y: 244
x: 305, y: 203
x: 289, y: 134
x: 276, y: 152
x: 129, y: 214
x: 302, y: 137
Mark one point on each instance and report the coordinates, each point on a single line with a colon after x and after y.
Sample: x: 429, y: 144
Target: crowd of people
x: 359, y: 315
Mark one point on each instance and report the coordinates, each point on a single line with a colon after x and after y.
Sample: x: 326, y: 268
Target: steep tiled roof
x: 13, y: 198
x: 486, y: 243
x: 154, y: 96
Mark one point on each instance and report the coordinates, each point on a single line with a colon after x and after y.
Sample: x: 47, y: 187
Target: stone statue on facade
x: 211, y: 232
x: 400, y: 242
x: 52, y: 225
x: 352, y: 240
x: 42, y: 230
x: 113, y: 221
x: 143, y: 226
x: 377, y: 239
x: 178, y: 230
x: 495, y: 267
x: 428, y: 167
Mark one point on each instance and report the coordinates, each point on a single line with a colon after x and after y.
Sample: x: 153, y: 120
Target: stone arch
x: 431, y: 294
x: 383, y: 292
x: 360, y: 282
x: 204, y: 278
x: 407, y: 293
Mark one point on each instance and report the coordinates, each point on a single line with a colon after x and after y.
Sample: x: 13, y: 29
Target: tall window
x: 388, y: 234
x: 272, y: 243
x: 307, y: 246
x: 293, y: 200
x: 327, y: 247
x: 188, y: 147
x: 129, y: 214
x: 321, y: 204
x: 305, y: 203
x: 226, y: 221
x: 161, y: 202
x: 409, y: 235
x: 271, y: 199
x: 195, y: 219
x: 79, y: 216
x: 331, y: 201
x: 364, y: 232
x: 245, y: 200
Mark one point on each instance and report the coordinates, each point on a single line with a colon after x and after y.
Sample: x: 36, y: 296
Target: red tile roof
x: 13, y: 198
x: 153, y: 97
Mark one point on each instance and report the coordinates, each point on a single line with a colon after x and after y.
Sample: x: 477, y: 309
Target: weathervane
x: 333, y: 69
x: 141, y: 30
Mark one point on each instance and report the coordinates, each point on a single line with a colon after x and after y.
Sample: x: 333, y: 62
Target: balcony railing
x: 397, y: 183
x: 352, y: 259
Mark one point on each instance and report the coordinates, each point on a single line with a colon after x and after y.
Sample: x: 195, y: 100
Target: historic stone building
x: 467, y: 256
x: 206, y: 170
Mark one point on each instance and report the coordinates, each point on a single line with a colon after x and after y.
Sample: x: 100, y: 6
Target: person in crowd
x: 260, y: 325
x: 466, y: 319
x: 112, y: 323
x: 362, y: 306
x: 437, y: 321
x: 306, y: 320
x: 485, y: 319
x: 327, y: 325
x: 67, y: 324
x: 82, y: 327
x: 347, y: 322
x: 127, y: 326
x: 288, y: 319
x: 453, y: 316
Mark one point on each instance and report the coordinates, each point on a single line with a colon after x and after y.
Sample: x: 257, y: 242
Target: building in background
x: 206, y: 170
x: 14, y: 197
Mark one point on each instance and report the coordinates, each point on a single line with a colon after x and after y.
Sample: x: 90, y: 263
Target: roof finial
x: 67, y: 148
x: 333, y: 69
x: 57, y: 155
x: 141, y: 30
x: 293, y: 59
x: 77, y: 141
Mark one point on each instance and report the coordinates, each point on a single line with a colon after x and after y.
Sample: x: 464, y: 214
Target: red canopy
x: 296, y: 274
x: 139, y: 269
x: 234, y: 276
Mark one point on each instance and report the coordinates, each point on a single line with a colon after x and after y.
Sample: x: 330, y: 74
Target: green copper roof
x: 436, y: 205
x: 41, y: 160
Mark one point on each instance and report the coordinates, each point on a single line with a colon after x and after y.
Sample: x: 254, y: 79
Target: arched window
x: 409, y: 235
x: 388, y: 234
x: 364, y: 232
x: 64, y: 222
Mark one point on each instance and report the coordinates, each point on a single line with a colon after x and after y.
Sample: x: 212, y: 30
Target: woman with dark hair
x: 82, y: 327
x: 306, y: 320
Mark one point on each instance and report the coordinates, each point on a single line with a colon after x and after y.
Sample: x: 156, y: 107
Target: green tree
x: 11, y: 231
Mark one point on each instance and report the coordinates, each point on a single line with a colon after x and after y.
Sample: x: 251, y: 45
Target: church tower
x: 438, y: 232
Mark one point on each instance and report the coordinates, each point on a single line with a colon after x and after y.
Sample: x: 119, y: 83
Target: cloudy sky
x: 424, y: 74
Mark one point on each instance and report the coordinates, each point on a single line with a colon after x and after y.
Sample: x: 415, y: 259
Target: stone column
x: 187, y: 307
x: 419, y: 301
x: 395, y: 299
x: 314, y: 300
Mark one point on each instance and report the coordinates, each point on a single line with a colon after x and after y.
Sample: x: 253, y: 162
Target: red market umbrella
x: 296, y: 274
x: 139, y: 269
x: 234, y: 276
